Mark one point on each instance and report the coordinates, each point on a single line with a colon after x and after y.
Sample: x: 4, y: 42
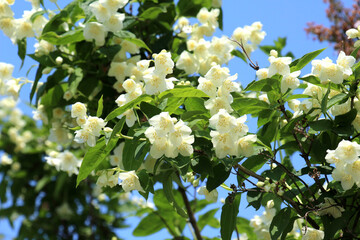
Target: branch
x: 190, y: 213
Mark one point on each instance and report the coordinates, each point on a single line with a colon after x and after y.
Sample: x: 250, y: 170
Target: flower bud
x: 59, y: 60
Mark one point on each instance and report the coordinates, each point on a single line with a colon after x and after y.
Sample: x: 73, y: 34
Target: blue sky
x: 280, y: 18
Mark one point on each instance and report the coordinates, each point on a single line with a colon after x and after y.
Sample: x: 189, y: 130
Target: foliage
x: 134, y: 98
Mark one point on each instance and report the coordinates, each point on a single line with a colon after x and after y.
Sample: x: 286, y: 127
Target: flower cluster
x: 108, y: 19
x: 280, y: 65
x: 347, y: 163
x: 229, y: 137
x: 27, y: 26
x: 90, y: 126
x: 64, y: 161
x: 169, y: 137
x: 143, y: 80
x: 327, y: 71
x: 218, y: 84
x: 218, y: 50
x: 8, y: 84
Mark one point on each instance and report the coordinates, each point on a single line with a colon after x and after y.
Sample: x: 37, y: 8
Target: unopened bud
x: 270, y: 204
x: 59, y: 60
x: 46, y: 70
x: 260, y: 184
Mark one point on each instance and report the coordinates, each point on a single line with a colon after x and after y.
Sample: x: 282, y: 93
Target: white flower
x: 116, y: 158
x: 240, y: 128
x: 95, y: 31
x: 101, y: 12
x: 346, y: 62
x: 130, y: 181
x: 209, y: 196
x: 207, y: 87
x: 347, y: 151
x: 262, y: 73
x: 217, y: 74
x: 6, y: 160
x: 245, y: 146
x: 155, y: 83
x: 78, y: 110
x: 84, y: 135
x: 115, y: 22
x: 23, y: 29
x: 353, y: 33
x: 313, y: 234
x: 118, y: 70
x: 326, y: 70
x: 94, y: 125
x: 180, y: 131
x: 6, y: 70
x: 224, y: 143
x: 341, y: 109
x: 215, y: 104
x: 279, y: 65
x: 114, y: 5
x: 163, y: 62
x: 187, y: 62
x: 330, y: 207
x: 347, y: 181
x: 290, y: 81
x: 162, y: 123
x: 222, y: 121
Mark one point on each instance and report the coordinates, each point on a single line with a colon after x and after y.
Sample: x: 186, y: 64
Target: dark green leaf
x: 336, y: 99
x: 149, y: 110
x: 281, y: 222
x: 321, y: 125
x: 254, y: 198
x: 229, y: 213
x: 264, y: 85
x: 355, y: 52
x: 168, y: 190
x: 220, y: 175
x: 21, y: 50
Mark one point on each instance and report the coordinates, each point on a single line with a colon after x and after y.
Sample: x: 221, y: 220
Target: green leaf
x: 321, y: 125
x: 182, y: 92
x: 100, y: 107
x: 168, y: 190
x: 324, y: 101
x: 208, y: 219
x: 229, y: 213
x: 71, y: 36
x: 337, y: 99
x: 149, y: 110
x: 249, y: 105
x: 38, y: 75
x: 239, y: 54
x: 282, y: 223
x: 110, y: 51
x: 300, y: 63
x: 173, y: 104
x: 220, y: 175
x: 148, y: 225
x: 21, y: 50
x: 42, y: 183
x: 264, y: 85
x: 152, y: 12
x: 37, y: 14
x: 243, y: 226
x: 347, y: 118
x: 135, y: 153
x: 191, y: 8
x: 139, y: 43
x: 95, y: 155
x: 195, y: 104
x: 124, y: 34
x: 254, y: 198
x: 120, y: 110
x: 74, y: 80
x: 355, y: 52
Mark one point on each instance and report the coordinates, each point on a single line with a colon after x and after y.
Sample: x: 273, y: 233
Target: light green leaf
x: 182, y: 92
x: 120, y: 110
x: 100, y: 107
x: 71, y: 36
x: 148, y: 225
x: 300, y: 63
